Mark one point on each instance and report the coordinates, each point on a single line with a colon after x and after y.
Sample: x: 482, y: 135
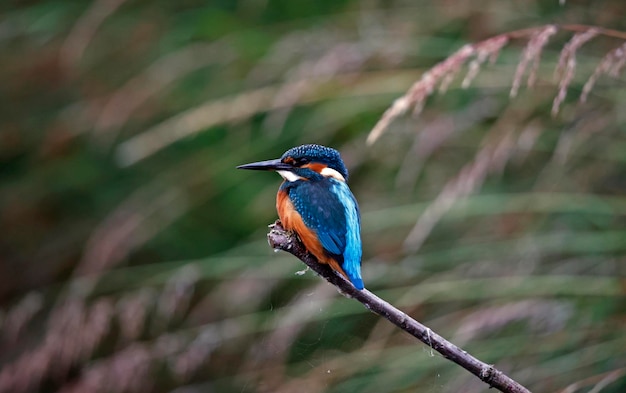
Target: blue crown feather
x: 317, y: 153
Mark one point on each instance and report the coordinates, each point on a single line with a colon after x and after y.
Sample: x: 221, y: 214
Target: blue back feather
x: 328, y: 207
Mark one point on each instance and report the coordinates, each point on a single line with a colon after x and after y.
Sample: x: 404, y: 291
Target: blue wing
x: 329, y: 208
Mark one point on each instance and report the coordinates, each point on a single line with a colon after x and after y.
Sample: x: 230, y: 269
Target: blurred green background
x: 133, y: 255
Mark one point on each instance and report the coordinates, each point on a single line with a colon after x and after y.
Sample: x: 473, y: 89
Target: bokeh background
x: 133, y: 256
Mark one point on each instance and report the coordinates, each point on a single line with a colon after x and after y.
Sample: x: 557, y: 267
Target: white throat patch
x: 289, y: 176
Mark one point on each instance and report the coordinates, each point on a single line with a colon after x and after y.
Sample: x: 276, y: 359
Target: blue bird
x: 314, y: 201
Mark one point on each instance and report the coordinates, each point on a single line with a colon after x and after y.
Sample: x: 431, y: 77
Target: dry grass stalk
x: 491, y: 158
x: 444, y: 72
x: 421, y: 89
x: 74, y: 331
x: 18, y: 317
x: 598, y: 381
x: 156, y: 78
x: 540, y: 315
x: 59, y: 350
x: 176, y: 297
x: 131, y: 224
x: 127, y: 371
x: 340, y: 58
x: 434, y: 134
x: 567, y: 65
x: 193, y: 120
x: 532, y: 53
x: 494, y: 156
x: 288, y: 326
x: 192, y: 357
x: 488, y: 49
x: 85, y: 30
x: 131, y: 368
x: 527, y: 139
x: 132, y: 312
x: 611, y: 65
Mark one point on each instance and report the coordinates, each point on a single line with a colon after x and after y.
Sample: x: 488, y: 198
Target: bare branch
x: 279, y: 239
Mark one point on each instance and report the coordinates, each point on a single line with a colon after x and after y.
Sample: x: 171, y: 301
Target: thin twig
x: 279, y: 239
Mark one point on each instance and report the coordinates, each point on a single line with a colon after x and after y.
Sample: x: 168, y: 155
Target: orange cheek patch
x: 317, y: 167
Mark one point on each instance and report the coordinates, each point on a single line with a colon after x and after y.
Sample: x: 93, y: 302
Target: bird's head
x: 306, y: 162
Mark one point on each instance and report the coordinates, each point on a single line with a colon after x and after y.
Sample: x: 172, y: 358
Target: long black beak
x: 269, y: 165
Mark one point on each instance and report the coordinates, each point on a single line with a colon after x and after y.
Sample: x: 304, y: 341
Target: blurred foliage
x: 133, y: 255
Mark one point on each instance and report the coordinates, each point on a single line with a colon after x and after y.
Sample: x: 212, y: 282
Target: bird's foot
x: 280, y: 238
x: 276, y: 225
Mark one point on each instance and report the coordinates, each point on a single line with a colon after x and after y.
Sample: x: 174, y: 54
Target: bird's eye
x: 303, y: 161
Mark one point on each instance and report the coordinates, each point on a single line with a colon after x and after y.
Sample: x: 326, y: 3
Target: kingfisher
x: 315, y: 202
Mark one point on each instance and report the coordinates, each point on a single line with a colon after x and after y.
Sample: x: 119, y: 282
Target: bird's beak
x: 269, y: 165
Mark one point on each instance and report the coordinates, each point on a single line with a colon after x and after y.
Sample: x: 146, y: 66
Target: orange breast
x: 292, y: 221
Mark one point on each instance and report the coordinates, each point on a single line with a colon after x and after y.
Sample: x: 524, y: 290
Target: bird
x: 315, y: 202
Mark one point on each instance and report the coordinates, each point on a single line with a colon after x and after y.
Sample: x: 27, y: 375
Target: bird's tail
x: 355, y: 279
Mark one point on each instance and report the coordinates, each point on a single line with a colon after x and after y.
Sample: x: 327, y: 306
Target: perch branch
x: 280, y: 239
